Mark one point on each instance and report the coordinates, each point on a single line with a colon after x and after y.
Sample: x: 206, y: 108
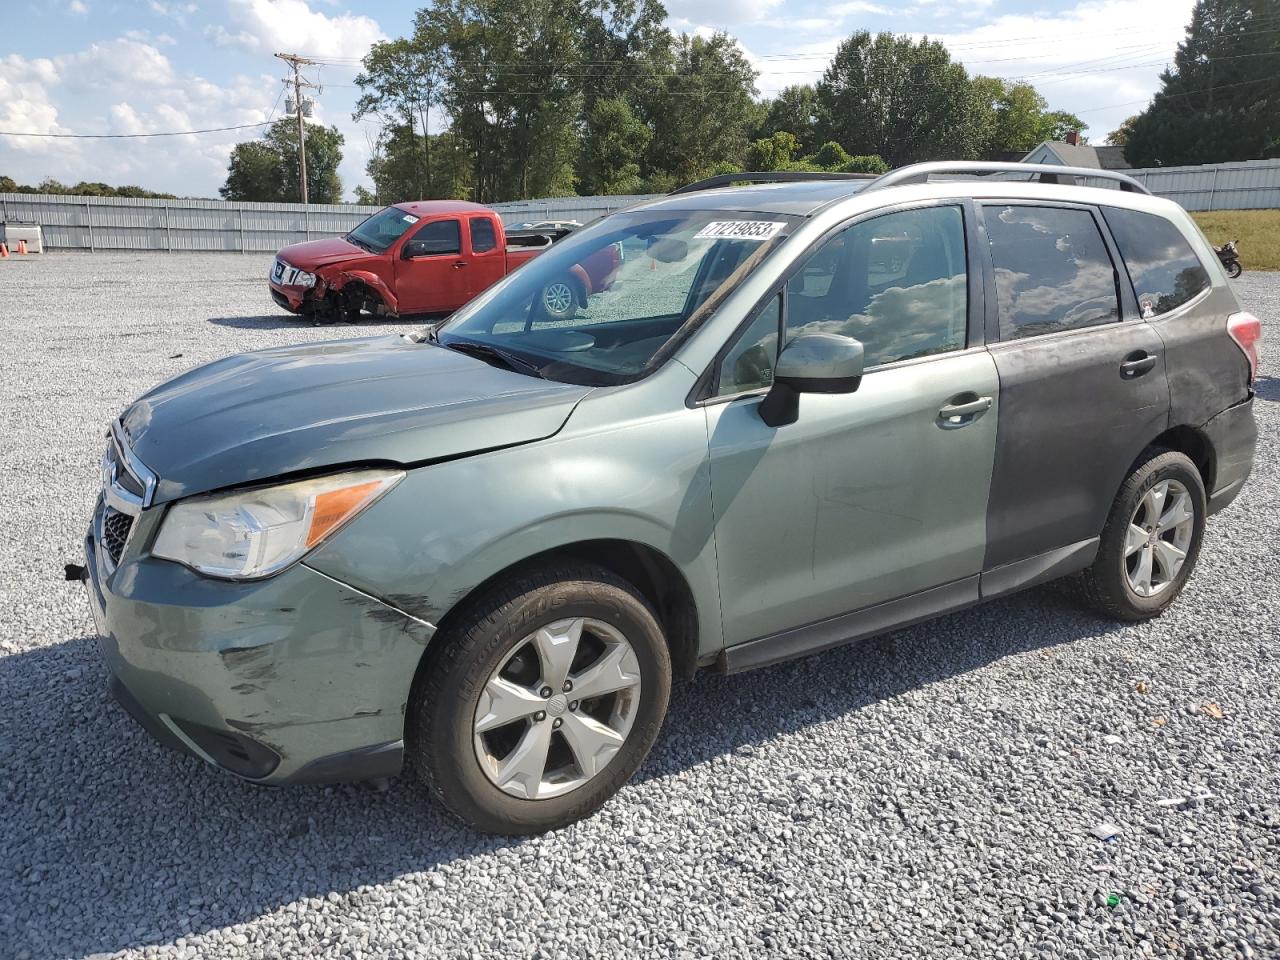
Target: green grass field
x: 1258, y: 233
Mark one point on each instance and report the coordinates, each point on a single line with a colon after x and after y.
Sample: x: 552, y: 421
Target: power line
x: 130, y: 136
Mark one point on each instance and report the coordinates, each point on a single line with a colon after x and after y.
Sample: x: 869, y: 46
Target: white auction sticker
x: 739, y: 230
x: 409, y: 218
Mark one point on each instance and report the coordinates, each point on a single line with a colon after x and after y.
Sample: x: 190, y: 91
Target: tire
x: 559, y: 300
x: 1113, y: 585
x: 463, y: 751
x: 1234, y: 270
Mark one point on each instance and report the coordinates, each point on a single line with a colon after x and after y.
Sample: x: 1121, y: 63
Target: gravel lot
x: 930, y: 794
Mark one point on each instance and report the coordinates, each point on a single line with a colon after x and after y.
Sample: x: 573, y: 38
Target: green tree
x: 773, y: 152
x: 365, y: 197
x: 613, y: 146
x: 1220, y: 100
x: 702, y: 112
x: 794, y: 111
x: 1120, y: 135
x: 864, y: 164
x: 902, y: 100
x: 8, y: 185
x: 395, y: 166
x: 830, y: 156
x: 402, y: 79
x: 267, y: 169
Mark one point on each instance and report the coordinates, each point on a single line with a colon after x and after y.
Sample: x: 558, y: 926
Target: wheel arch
x: 1191, y: 442
x: 655, y: 575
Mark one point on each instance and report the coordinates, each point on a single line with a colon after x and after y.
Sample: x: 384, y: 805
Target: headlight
x: 303, y: 279
x: 256, y: 533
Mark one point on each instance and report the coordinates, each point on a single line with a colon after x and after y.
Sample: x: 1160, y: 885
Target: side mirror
x: 414, y: 248
x: 812, y: 363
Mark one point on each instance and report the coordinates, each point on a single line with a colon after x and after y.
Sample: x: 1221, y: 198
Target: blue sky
x: 137, y: 66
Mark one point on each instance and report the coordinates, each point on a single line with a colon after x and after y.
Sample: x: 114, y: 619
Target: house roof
x: 1082, y: 155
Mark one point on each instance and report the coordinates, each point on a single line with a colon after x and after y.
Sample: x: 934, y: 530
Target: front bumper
x: 292, y: 298
x: 1233, y: 435
x: 294, y: 679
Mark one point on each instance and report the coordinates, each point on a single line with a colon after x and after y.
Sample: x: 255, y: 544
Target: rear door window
x: 1053, y: 270
x: 483, y: 236
x: 1165, y: 271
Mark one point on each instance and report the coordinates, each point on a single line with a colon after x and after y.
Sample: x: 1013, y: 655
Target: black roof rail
x: 1048, y: 173
x: 767, y: 176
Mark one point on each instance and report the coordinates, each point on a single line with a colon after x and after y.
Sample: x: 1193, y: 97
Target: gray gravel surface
x: 931, y: 794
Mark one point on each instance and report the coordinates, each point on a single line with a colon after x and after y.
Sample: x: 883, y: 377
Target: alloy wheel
x: 1159, y: 538
x: 557, y: 709
x: 557, y: 298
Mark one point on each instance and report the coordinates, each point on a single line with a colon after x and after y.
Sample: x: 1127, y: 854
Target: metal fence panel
x: 119, y: 223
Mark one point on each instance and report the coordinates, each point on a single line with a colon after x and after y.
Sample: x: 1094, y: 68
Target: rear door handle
x: 962, y: 414
x: 1136, y: 364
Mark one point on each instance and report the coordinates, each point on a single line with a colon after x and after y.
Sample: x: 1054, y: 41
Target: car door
x: 428, y: 276
x: 870, y: 496
x: 1082, y: 384
x: 487, y: 262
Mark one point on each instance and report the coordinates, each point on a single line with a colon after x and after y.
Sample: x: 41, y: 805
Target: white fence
x: 1248, y: 185
x: 117, y: 223
x: 112, y: 223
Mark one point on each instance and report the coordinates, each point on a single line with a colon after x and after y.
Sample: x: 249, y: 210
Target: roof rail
x: 767, y: 176
x: 1049, y: 173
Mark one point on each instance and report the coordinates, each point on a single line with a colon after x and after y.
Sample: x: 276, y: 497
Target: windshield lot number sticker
x: 739, y: 230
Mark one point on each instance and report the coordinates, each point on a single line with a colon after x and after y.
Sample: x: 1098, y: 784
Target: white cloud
x: 25, y: 104
x: 78, y: 7
x: 718, y: 14
x: 274, y: 25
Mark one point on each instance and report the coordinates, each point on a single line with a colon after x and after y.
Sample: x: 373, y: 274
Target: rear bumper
x: 1234, y: 436
x: 295, y: 679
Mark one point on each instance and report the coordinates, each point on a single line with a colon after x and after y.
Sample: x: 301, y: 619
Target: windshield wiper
x: 353, y: 239
x: 484, y: 351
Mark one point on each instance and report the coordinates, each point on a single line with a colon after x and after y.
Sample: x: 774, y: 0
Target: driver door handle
x: 459, y: 264
x: 954, y: 415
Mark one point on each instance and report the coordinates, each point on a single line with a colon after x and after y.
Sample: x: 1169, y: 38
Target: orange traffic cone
x: 4, y: 251
x: 22, y: 248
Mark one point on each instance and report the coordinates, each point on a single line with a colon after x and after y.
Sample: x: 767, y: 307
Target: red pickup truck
x: 423, y: 257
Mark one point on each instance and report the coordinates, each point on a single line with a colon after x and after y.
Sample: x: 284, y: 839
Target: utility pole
x: 297, y: 62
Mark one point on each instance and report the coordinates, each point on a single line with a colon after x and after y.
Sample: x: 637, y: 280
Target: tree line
x: 498, y: 100
x: 82, y: 189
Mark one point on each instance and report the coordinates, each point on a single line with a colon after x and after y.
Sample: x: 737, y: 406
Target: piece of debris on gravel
x: 928, y: 797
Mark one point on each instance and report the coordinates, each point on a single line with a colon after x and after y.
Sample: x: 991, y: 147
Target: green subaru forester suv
x: 801, y: 413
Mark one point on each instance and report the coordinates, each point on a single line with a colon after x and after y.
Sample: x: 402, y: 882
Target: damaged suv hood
x: 259, y: 415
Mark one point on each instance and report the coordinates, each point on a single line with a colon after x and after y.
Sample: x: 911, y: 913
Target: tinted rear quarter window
x: 1053, y: 271
x: 1165, y: 271
x: 483, y: 237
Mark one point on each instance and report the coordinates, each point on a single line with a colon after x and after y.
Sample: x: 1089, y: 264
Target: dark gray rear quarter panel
x: 1207, y: 371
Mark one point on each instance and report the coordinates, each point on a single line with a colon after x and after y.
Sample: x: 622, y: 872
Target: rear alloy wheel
x: 540, y: 699
x: 560, y: 300
x: 1151, y: 540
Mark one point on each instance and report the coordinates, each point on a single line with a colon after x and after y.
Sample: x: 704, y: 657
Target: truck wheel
x: 541, y: 700
x: 1151, y: 540
x: 560, y: 300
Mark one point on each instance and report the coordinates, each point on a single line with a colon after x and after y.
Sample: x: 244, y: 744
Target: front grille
x: 115, y: 532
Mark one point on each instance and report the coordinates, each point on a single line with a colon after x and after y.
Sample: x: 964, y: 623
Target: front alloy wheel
x: 558, y: 709
x: 541, y: 699
x: 559, y: 301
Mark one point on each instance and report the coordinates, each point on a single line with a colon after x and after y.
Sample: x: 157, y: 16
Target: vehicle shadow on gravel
x: 155, y: 846
x: 1267, y: 388
x: 285, y: 321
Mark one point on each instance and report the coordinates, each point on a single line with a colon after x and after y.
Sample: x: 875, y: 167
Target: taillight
x: 1246, y: 331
